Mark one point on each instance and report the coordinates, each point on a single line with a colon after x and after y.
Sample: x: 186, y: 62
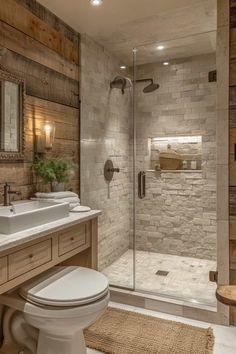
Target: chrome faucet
x: 7, y: 194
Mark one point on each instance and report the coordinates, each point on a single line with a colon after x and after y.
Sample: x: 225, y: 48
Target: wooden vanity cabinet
x: 75, y: 245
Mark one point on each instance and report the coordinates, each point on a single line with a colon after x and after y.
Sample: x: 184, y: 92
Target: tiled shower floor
x: 188, y: 278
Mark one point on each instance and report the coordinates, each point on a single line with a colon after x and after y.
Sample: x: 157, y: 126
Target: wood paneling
x: 38, y: 46
x: 66, y: 120
x: 232, y: 107
x: 24, y: 20
x: 41, y: 81
x: 52, y: 20
x: 232, y: 79
x: 55, y: 111
x: 232, y: 255
x: 232, y: 168
x: 232, y: 116
x: 26, y: 46
x: 232, y: 226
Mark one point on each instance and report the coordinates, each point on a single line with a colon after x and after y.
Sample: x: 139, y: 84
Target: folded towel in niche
x: 56, y: 195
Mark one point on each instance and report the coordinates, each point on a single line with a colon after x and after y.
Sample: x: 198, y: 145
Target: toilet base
x: 31, y: 329
x: 51, y: 344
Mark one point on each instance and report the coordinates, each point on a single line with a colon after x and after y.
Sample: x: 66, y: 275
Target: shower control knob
x: 109, y: 170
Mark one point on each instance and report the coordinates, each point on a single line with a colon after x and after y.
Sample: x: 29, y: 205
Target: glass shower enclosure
x: 171, y: 171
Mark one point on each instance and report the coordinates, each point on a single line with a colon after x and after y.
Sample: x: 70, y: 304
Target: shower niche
x: 176, y: 153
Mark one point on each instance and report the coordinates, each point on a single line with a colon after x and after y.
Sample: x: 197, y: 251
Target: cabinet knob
x: 72, y: 239
x: 31, y: 256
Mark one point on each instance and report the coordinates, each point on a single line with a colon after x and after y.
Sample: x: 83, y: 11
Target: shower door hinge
x: 213, y: 276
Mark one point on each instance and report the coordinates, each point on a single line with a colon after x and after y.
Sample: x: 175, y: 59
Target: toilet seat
x: 66, y: 287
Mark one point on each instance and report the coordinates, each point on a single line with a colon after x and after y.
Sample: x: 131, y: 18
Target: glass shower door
x: 175, y: 168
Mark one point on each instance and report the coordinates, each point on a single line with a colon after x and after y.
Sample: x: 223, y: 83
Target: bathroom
x: 126, y: 118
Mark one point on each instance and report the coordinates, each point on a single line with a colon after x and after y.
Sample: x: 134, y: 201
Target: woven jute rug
x: 125, y: 332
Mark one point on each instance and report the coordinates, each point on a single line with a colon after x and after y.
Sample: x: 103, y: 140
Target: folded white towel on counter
x: 73, y: 206
x: 56, y: 195
x: 73, y: 201
x: 68, y: 200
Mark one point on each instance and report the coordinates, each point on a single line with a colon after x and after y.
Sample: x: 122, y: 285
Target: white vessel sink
x: 27, y: 214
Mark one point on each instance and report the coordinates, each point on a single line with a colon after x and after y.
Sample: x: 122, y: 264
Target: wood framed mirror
x: 12, y: 95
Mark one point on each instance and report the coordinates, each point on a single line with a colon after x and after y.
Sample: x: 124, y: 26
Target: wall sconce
x: 44, y: 137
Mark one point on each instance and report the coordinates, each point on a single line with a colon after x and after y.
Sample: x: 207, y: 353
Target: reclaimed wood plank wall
x: 232, y: 150
x: 44, y: 51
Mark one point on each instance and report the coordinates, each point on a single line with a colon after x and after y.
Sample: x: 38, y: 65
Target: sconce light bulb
x: 48, y: 128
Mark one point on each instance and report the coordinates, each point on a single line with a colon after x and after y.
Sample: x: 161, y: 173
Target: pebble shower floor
x: 187, y: 278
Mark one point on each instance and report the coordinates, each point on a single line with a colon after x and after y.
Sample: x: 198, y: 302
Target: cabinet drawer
x: 73, y: 239
x: 29, y: 258
x: 3, y: 270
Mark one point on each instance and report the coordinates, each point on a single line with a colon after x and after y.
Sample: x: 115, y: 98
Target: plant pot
x: 57, y: 187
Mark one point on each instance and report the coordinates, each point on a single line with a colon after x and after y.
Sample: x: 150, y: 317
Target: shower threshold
x: 160, y: 303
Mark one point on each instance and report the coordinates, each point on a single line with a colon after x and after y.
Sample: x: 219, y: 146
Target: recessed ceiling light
x: 96, y: 2
x: 123, y: 67
x: 166, y: 63
x: 160, y: 47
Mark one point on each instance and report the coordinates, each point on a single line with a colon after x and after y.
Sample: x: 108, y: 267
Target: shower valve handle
x: 109, y: 170
x: 113, y: 169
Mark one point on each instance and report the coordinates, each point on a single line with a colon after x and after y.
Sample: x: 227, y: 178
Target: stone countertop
x: 18, y: 238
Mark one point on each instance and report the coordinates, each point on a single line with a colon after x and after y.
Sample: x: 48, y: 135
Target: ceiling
x: 120, y: 25
x: 183, y: 47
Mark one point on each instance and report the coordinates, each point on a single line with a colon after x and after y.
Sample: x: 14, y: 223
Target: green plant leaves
x: 54, y: 169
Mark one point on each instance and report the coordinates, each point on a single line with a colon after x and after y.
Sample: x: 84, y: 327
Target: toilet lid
x: 66, y: 286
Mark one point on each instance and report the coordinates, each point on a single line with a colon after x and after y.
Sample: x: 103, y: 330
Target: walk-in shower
x: 164, y: 244
x: 172, y: 143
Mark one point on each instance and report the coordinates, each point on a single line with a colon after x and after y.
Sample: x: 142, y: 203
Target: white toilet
x: 60, y: 304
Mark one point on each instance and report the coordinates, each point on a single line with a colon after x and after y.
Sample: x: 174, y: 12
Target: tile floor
x: 225, y: 337
x: 188, y: 278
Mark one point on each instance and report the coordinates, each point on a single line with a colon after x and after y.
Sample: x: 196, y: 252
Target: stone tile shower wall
x: 178, y: 215
x: 105, y: 135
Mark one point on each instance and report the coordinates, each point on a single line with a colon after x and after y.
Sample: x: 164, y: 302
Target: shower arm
x: 144, y: 80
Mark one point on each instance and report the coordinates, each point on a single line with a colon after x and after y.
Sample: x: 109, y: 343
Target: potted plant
x: 55, y: 171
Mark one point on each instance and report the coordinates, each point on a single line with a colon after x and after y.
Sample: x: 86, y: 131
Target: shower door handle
x: 141, y: 184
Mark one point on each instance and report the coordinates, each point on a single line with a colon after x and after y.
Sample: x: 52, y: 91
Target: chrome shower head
x: 151, y: 87
x: 121, y: 82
